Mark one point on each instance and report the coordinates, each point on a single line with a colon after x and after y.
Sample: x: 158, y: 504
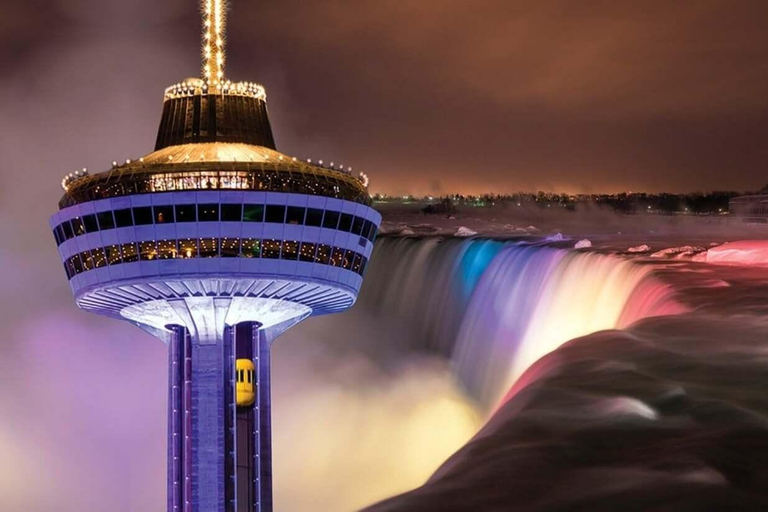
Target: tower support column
x: 219, y: 455
x: 201, y: 418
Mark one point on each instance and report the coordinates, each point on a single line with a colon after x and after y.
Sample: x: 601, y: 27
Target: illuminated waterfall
x: 495, y: 308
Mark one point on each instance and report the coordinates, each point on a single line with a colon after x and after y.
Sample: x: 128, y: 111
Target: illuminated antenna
x: 214, y: 27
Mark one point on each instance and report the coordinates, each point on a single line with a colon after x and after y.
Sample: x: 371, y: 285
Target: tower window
x: 113, y: 255
x: 290, y: 250
x: 295, y: 215
x: 123, y: 218
x: 130, y: 253
x: 142, y: 215
x: 147, y: 251
x: 166, y: 249
x: 314, y: 217
x: 209, y: 247
x: 208, y: 212
x: 188, y: 248
x: 231, y: 212
x: 68, y: 233
x: 324, y: 254
x: 307, y: 252
x: 251, y: 248
x: 253, y: 213
x: 185, y: 213
x: 271, y: 249
x: 275, y: 213
x: 357, y: 225
x: 77, y: 226
x: 337, y: 257
x: 91, y: 226
x: 345, y: 223
x: 106, y: 221
x: 230, y: 247
x: 60, y: 233
x: 331, y: 220
x: 163, y: 214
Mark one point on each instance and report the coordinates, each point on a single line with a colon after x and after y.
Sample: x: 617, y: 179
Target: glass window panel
x: 113, y: 255
x: 331, y: 219
x: 186, y: 213
x: 87, y: 260
x: 337, y: 257
x: 295, y: 215
x: 99, y: 257
x: 209, y: 247
x: 163, y: 214
x: 314, y: 217
x: 56, y: 237
x: 345, y: 224
x: 270, y: 249
x: 324, y: 253
x: 230, y: 247
x: 142, y: 215
x: 147, y: 250
x: 275, y: 213
x: 363, y: 265
x: 357, y: 262
x: 231, y: 212
x: 357, y: 225
x: 67, y: 227
x: 207, y: 213
x: 290, y: 250
x: 167, y: 250
x: 123, y: 218
x: 69, y: 269
x: 366, y: 228
x: 374, y: 230
x: 251, y: 248
x: 106, y: 221
x: 60, y: 232
x: 349, y: 257
x: 188, y: 248
x: 307, y: 252
x: 253, y: 213
x: 77, y: 226
x: 130, y: 253
x: 91, y: 226
x: 77, y: 264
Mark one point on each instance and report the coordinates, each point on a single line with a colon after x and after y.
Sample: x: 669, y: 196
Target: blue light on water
x: 475, y: 261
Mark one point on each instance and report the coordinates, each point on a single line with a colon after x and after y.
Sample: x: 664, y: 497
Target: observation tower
x: 216, y: 243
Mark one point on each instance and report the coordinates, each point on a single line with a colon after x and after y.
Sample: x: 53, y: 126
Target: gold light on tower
x: 214, y: 26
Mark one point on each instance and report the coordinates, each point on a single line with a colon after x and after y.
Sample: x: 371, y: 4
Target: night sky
x: 427, y: 97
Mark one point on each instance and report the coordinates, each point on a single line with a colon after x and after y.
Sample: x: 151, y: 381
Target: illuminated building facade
x: 216, y: 243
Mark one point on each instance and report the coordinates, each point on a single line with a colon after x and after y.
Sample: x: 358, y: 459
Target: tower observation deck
x: 216, y: 243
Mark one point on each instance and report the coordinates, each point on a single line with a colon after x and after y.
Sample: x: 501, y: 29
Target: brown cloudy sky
x: 427, y: 96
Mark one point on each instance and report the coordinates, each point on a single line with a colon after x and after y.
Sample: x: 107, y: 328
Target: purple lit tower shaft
x: 219, y: 455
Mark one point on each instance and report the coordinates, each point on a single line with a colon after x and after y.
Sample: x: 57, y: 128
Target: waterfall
x: 494, y: 308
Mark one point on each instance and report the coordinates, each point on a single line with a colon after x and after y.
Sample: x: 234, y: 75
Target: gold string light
x: 214, y: 27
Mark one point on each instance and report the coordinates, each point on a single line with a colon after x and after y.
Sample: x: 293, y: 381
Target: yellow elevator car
x: 244, y: 370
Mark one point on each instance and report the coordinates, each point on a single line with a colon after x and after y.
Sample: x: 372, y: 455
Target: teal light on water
x: 476, y: 259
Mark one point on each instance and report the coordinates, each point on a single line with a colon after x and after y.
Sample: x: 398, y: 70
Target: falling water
x: 495, y: 307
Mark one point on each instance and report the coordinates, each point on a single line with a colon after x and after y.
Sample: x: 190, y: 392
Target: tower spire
x: 214, y: 28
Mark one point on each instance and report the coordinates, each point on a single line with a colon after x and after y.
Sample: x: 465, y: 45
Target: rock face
x: 667, y: 415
